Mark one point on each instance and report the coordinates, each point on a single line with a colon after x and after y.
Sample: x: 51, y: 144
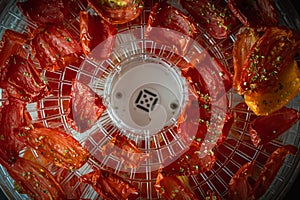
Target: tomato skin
x: 264, y: 129
x: 56, y: 48
x: 126, y: 150
x: 217, y: 20
x: 271, y: 168
x: 93, y: 31
x: 172, y: 187
x: 268, y: 57
x: 56, y: 146
x: 260, y: 13
x: 109, y: 185
x: 12, y: 118
x: 115, y: 14
x: 36, y: 181
x: 23, y: 81
x: 85, y: 107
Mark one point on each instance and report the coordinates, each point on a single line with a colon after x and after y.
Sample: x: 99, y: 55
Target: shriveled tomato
x: 239, y: 186
x: 72, y: 9
x: 42, y: 12
x: 245, y: 39
x: 35, y: 180
x: 285, y: 88
x: 93, y: 31
x: 85, y: 107
x: 270, y: 169
x: 216, y: 19
x: 117, y: 11
x: 173, y: 187
x: 268, y: 58
x: 23, y: 81
x: 170, y: 26
x: 259, y: 13
x: 56, y: 48
x: 56, y: 146
x: 264, y: 129
x: 126, y: 150
x: 109, y: 185
x: 191, y: 162
x: 12, y: 118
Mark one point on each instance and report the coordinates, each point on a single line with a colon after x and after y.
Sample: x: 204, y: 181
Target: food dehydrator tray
x: 129, y: 51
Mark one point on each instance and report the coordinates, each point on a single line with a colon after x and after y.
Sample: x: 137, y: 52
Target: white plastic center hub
x: 144, y: 97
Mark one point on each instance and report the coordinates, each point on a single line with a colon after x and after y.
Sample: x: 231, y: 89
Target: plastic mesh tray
x: 51, y: 112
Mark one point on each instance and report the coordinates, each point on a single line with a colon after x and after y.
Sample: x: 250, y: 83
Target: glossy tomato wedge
x: 271, y: 169
x: 260, y: 13
x: 35, y: 180
x: 173, y: 187
x: 12, y: 118
x: 117, y: 11
x: 170, y: 26
x: 109, y: 185
x: 85, y: 107
x: 95, y: 31
x: 214, y: 18
x: 56, y: 146
x: 56, y: 48
x: 268, y: 58
x: 264, y: 129
x: 126, y: 150
x: 23, y: 81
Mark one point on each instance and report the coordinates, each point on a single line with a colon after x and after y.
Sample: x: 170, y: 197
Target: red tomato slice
x: 23, y: 80
x: 216, y: 19
x: 126, y: 150
x: 168, y: 25
x: 109, y: 185
x: 268, y: 57
x: 35, y: 180
x: 42, y: 12
x: 172, y: 187
x: 85, y: 107
x: 264, y: 129
x: 94, y: 31
x: 117, y: 11
x: 56, y: 48
x: 260, y: 13
x: 12, y: 118
x: 56, y: 146
x: 239, y: 186
x: 270, y: 169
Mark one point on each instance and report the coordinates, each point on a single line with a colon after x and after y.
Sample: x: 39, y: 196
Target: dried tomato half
x: 12, y: 118
x: 259, y: 13
x: 268, y: 58
x: 35, y: 180
x: 117, y: 11
x: 270, y: 169
x: 56, y: 48
x: 264, y: 129
x: 23, y: 81
x: 109, y: 185
x: 216, y: 19
x: 42, y: 12
x: 85, y: 107
x: 126, y: 150
x: 58, y: 147
x: 173, y: 187
x: 168, y: 25
x: 95, y: 31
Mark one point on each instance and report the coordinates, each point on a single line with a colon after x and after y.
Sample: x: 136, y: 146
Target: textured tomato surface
x: 117, y: 12
x: 56, y: 146
x: 214, y: 18
x: 85, y: 107
x: 109, y: 185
